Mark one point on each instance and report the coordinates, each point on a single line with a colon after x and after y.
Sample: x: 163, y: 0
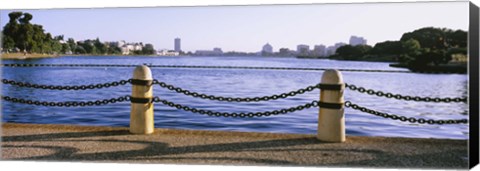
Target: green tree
x: 137, y: 52
x: 148, y: 49
x: 100, y: 47
x: 114, y: 50
x: 428, y: 37
x: 8, y: 43
x: 72, y: 44
x: 80, y: 50
x: 14, y: 16
x: 20, y: 33
x: 56, y: 46
x: 26, y: 18
x: 47, y: 44
x: 428, y: 56
x: 59, y: 38
x: 349, y: 52
x: 89, y: 47
x: 10, y: 31
x: 457, y: 39
x: 409, y: 50
x: 455, y: 51
x: 364, y: 49
x: 66, y: 48
x: 11, y: 28
x: 38, y: 38
x: 387, y: 48
x: 25, y: 32
x: 434, y: 45
x: 346, y: 52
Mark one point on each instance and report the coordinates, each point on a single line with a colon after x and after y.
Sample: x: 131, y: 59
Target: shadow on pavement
x: 256, y: 152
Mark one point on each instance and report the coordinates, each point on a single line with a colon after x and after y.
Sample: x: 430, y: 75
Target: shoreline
x: 22, y: 56
x: 444, y: 68
x: 449, y: 69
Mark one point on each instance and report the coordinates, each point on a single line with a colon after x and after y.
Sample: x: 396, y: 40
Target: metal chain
x: 67, y: 103
x: 272, y: 68
x: 235, y: 115
x: 407, y: 98
x: 57, y: 87
x: 236, y: 99
x: 226, y: 114
x: 403, y: 118
x: 67, y: 65
x: 197, y: 66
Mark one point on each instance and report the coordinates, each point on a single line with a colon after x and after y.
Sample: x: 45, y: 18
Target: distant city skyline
x: 249, y: 28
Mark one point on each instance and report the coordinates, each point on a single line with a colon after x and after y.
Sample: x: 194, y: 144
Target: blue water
x: 238, y: 83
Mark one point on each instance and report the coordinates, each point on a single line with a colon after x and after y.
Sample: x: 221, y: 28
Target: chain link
x: 57, y: 87
x: 407, y: 98
x: 236, y: 99
x: 235, y: 115
x: 67, y: 103
x: 226, y: 114
x: 272, y: 68
x: 67, y: 65
x: 403, y: 118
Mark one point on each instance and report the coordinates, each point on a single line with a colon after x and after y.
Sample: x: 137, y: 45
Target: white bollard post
x: 331, y: 120
x: 141, y: 113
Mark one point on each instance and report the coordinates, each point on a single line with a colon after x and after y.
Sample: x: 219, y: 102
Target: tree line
x: 20, y: 35
x: 425, y: 46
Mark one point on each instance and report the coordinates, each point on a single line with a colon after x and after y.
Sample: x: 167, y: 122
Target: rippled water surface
x: 238, y: 83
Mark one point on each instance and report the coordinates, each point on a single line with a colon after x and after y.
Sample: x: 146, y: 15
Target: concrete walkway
x: 115, y: 144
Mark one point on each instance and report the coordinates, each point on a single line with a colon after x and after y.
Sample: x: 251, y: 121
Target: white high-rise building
x: 303, y: 49
x: 319, y: 50
x: 354, y: 40
x: 177, y: 45
x: 267, y: 49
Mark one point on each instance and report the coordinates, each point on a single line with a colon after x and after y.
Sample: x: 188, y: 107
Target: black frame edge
x: 473, y: 51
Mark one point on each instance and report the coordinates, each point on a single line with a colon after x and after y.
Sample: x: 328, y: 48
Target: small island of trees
x: 424, y: 49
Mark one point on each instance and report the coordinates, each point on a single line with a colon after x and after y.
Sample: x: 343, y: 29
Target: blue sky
x: 248, y: 28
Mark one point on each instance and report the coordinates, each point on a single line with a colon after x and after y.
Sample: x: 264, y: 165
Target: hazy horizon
x: 248, y: 28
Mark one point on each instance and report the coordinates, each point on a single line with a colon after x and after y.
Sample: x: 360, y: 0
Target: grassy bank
x: 25, y: 56
x: 21, y: 56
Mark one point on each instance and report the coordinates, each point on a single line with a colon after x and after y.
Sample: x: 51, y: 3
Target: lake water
x: 238, y: 83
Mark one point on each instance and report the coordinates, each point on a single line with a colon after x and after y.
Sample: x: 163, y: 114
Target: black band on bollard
x: 330, y: 105
x: 330, y: 86
x: 142, y: 82
x: 140, y: 100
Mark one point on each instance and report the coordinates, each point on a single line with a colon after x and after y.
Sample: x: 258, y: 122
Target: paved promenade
x: 115, y: 144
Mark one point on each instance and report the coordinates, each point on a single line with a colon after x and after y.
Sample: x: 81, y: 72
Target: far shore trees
x: 20, y: 35
x: 349, y: 52
x: 424, y: 46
